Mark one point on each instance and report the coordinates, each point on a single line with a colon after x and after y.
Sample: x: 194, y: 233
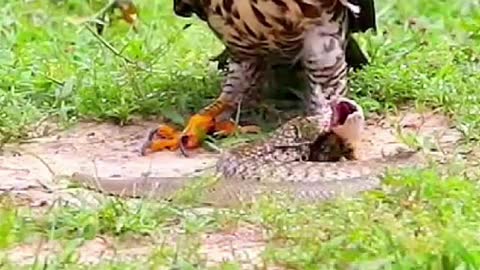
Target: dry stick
x: 37, y: 138
x: 43, y: 238
x: 108, y: 246
x: 239, y: 108
x: 102, y: 40
x: 236, y: 121
x: 114, y: 50
x: 50, y: 170
x: 109, y: 46
x: 54, y: 80
x: 133, y: 78
x: 37, y: 251
x: 163, y: 47
x: 95, y: 176
x: 104, y: 10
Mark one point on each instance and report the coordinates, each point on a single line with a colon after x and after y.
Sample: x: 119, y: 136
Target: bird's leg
x: 242, y: 77
x: 326, y: 69
x: 325, y: 66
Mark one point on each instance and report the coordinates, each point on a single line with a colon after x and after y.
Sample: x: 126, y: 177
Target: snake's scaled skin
x: 301, y: 158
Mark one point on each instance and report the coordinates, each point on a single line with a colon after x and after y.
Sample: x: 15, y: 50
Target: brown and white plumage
x: 259, y: 34
x: 262, y: 33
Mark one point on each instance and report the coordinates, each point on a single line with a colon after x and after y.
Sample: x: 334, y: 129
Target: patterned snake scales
x: 288, y: 161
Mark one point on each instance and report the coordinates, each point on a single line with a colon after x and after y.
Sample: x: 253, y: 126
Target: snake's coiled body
x: 286, y: 162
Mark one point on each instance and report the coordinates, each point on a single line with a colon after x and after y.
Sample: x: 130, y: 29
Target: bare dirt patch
x: 109, y: 149
x: 103, y: 149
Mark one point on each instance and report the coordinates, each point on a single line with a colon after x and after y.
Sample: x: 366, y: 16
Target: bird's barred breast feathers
x: 266, y: 27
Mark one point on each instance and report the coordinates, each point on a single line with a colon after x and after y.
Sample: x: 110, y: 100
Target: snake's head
x: 348, y: 119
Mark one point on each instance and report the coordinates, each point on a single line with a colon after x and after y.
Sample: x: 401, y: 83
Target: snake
x: 311, y: 158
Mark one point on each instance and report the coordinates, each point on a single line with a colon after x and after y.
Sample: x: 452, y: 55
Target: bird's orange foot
x: 225, y: 128
x: 167, y: 138
x: 162, y: 138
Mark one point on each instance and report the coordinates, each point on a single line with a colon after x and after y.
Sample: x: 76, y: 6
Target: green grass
x: 426, y: 55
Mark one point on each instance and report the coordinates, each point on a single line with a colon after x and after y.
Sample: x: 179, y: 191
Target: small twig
x: 239, y: 109
x: 156, y: 51
x: 104, y: 10
x: 112, y: 49
x: 54, y: 80
x: 95, y: 176
x: 49, y: 168
x: 38, y: 249
x: 213, y: 146
x: 108, y: 45
x: 132, y: 78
